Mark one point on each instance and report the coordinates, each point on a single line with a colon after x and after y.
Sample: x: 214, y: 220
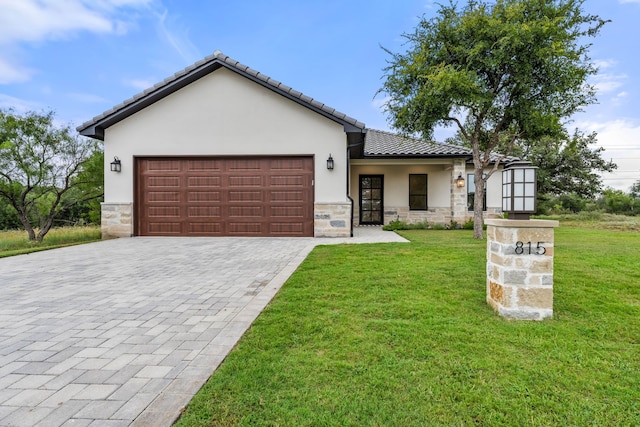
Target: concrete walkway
x: 124, y: 332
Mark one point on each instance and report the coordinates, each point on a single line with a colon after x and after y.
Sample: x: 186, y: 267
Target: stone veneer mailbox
x: 520, y: 267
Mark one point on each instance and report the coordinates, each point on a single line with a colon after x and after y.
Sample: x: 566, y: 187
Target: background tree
x: 567, y: 167
x: 634, y: 191
x: 619, y: 202
x: 44, y: 169
x: 502, y: 72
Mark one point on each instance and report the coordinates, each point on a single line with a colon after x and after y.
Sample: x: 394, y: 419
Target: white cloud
x: 87, y: 98
x: 620, y: 98
x: 32, y: 21
x: 177, y: 37
x: 604, y: 63
x: 13, y: 73
x: 616, y: 132
x: 621, y: 140
x: 19, y: 105
x: 605, y: 83
x: 379, y: 102
x: 35, y: 20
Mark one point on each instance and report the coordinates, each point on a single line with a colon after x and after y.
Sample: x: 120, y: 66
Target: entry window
x: 371, y: 203
x: 471, y: 193
x: 418, y: 192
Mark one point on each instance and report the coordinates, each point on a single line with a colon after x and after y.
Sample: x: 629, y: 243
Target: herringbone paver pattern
x: 124, y: 332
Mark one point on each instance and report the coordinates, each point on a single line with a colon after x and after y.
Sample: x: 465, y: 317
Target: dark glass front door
x: 371, y: 203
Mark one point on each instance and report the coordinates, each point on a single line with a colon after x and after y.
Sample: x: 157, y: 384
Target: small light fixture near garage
x: 330, y: 163
x: 459, y: 181
x: 116, y: 166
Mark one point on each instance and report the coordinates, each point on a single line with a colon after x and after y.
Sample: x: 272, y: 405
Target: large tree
x: 43, y: 169
x: 501, y: 72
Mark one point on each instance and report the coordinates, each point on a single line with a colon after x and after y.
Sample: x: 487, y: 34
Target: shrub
x: 396, y: 224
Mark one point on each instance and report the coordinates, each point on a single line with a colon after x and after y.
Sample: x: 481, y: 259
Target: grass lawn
x: 401, y: 335
x: 16, y: 242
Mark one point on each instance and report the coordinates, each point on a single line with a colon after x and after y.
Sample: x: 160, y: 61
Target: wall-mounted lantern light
x: 116, y: 166
x: 330, y: 163
x: 459, y: 181
x: 519, y: 190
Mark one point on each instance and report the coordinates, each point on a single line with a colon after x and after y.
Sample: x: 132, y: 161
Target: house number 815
x: 522, y: 247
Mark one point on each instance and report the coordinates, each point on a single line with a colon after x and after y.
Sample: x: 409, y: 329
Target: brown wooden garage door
x: 249, y: 196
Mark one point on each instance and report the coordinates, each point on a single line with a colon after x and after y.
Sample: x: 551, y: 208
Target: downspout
x: 349, y: 147
x: 349, y: 187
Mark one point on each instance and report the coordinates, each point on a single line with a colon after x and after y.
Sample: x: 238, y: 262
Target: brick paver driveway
x: 124, y: 332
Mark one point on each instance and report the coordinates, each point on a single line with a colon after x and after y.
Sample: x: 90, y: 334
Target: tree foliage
x: 501, y: 72
x: 634, y: 191
x: 619, y: 202
x: 45, y: 169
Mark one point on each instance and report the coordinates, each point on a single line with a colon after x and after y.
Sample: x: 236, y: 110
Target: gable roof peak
x: 95, y: 127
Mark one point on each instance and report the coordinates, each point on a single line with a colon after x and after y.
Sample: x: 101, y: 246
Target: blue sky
x: 82, y: 57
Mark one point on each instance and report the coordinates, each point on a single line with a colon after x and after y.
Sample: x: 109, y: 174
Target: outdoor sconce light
x: 519, y: 190
x: 116, y: 166
x: 330, y: 163
x: 459, y: 181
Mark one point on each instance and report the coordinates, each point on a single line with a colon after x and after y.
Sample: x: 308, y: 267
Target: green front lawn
x: 401, y: 335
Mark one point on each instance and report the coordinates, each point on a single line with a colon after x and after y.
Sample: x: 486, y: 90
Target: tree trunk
x: 478, y: 220
x: 27, y: 225
x: 45, y: 228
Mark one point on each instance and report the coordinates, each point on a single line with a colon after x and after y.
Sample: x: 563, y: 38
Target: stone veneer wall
x: 117, y: 220
x: 519, y: 276
x: 434, y: 215
x: 332, y: 220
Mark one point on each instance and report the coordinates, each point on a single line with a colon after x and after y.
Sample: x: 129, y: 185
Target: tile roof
x: 379, y: 143
x: 96, y: 126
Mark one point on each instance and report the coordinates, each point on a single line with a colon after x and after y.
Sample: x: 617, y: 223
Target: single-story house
x: 219, y: 149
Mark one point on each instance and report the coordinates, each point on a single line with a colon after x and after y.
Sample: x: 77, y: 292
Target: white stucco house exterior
x: 219, y: 149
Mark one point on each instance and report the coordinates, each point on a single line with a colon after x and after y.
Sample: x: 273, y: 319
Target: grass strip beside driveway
x: 401, y: 335
x: 16, y: 242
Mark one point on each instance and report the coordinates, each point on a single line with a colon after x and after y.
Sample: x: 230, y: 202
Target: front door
x: 371, y: 203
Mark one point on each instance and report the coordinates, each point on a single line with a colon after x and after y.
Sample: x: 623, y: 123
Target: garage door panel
x: 164, y: 165
x: 208, y: 165
x: 286, y: 228
x: 281, y: 212
x: 165, y: 228
x: 204, y: 212
x: 246, y: 196
x: 295, y: 164
x: 204, y: 196
x: 286, y: 196
x: 163, y: 181
x: 225, y: 196
x: 163, y: 211
x: 287, y: 180
x: 254, y: 228
x: 238, y: 165
x: 204, y: 181
x: 246, y: 181
x: 205, y: 228
x: 163, y: 196
x: 246, y: 211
